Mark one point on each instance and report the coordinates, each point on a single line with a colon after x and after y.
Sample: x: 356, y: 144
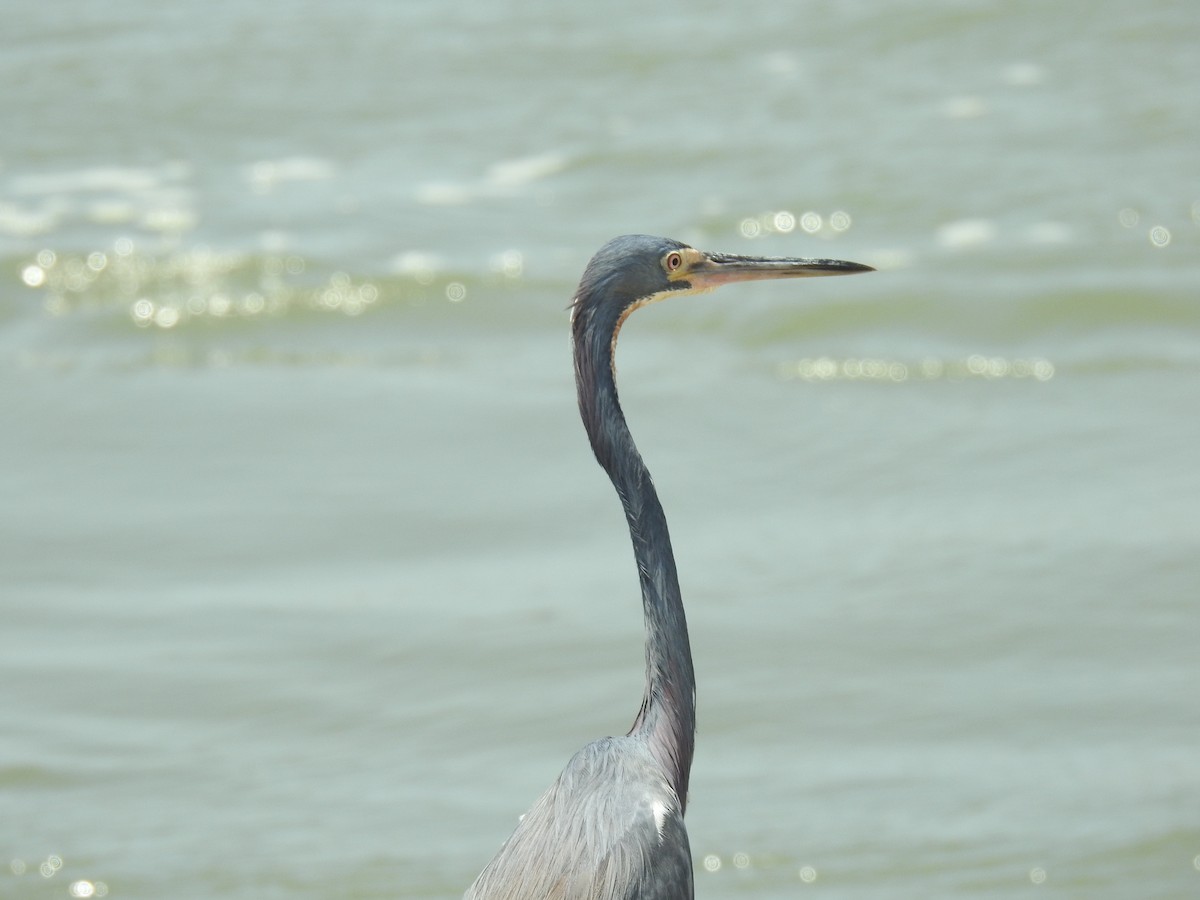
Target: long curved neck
x: 668, y: 714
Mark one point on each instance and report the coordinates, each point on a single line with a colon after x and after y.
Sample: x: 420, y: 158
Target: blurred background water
x: 309, y: 584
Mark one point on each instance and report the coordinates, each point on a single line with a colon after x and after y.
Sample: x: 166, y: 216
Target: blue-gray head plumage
x: 626, y: 270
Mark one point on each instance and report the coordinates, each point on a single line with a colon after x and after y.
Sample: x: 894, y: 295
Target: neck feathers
x: 668, y: 714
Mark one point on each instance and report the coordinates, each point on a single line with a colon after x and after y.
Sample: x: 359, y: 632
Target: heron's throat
x: 677, y: 291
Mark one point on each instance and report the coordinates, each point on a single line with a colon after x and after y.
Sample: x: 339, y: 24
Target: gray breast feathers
x: 609, y: 828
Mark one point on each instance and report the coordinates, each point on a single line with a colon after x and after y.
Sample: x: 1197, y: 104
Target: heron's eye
x: 672, y: 261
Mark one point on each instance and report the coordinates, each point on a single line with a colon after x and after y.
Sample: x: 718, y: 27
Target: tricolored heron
x: 611, y: 827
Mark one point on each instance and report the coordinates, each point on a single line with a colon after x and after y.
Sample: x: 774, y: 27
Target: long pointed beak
x: 714, y: 269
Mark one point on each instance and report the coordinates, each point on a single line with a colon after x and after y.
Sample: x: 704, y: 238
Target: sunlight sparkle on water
x: 808, y: 874
x: 976, y: 366
x: 510, y: 263
x: 343, y: 295
x: 421, y: 267
x: 173, y: 290
x: 811, y: 222
x: 712, y: 863
x: 166, y: 317
x: 50, y: 866
x: 785, y: 222
x: 142, y: 312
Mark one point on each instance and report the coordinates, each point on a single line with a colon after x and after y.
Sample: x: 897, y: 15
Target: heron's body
x: 611, y: 827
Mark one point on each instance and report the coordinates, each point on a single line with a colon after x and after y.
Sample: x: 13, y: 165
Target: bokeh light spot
x: 142, y: 312
x: 166, y: 317
x: 510, y: 263
x: 976, y: 366
x: 1043, y: 370
x: 49, y: 868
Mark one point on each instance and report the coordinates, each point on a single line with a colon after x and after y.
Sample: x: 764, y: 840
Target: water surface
x: 310, y: 584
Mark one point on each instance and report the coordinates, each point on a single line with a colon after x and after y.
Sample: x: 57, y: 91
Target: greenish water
x: 309, y: 584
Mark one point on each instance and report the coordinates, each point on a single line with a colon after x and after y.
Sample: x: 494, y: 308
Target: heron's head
x: 636, y: 269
